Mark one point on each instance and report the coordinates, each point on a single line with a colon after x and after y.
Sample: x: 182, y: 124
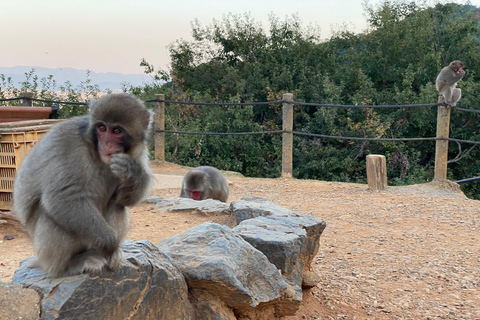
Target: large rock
x: 253, y: 207
x: 186, y: 204
x: 215, y: 260
x: 209, y: 306
x: 281, y: 240
x: 17, y: 302
x: 148, y: 285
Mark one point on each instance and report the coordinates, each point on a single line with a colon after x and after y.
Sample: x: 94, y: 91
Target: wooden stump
x: 376, y: 172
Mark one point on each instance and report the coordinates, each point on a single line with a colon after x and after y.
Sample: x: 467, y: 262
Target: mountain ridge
x: 105, y: 80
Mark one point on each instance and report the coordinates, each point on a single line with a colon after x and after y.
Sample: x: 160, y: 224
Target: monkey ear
x: 92, y: 103
x: 147, y: 122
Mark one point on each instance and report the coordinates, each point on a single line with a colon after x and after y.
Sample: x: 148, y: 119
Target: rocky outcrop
x: 254, y: 271
x: 147, y: 286
x: 289, y: 239
x: 216, y: 261
x: 17, y: 302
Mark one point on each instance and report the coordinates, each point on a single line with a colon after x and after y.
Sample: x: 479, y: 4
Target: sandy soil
x: 403, y: 253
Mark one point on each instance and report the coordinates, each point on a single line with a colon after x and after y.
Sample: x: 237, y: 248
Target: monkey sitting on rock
x: 72, y: 189
x: 447, y: 81
x: 205, y: 183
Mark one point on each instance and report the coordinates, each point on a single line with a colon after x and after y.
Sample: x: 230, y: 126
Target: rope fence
x: 442, y: 138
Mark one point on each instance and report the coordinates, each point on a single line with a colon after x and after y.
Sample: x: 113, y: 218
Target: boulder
x: 17, y: 302
x: 253, y: 207
x: 215, y: 260
x: 281, y: 240
x: 208, y: 306
x: 147, y: 285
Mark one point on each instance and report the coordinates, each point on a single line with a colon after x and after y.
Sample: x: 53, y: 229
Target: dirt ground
x: 403, y: 253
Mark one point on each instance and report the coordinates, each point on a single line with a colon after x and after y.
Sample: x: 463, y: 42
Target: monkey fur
x: 205, y: 183
x: 72, y: 189
x: 447, y: 81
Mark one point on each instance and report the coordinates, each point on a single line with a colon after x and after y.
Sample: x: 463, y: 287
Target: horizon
x: 115, y: 36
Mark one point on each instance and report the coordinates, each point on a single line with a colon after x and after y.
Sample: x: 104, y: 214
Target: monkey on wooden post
x: 447, y: 81
x: 205, y: 183
x: 72, y: 190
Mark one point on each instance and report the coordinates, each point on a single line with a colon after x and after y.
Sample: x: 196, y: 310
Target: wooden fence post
x: 287, y: 137
x: 441, y: 146
x: 159, y: 125
x: 26, y: 101
x: 376, y: 172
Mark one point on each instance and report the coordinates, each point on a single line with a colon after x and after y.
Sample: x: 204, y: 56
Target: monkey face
x: 457, y: 66
x: 111, y: 140
x: 195, y: 194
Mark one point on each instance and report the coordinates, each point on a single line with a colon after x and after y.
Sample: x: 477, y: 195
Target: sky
x: 114, y: 35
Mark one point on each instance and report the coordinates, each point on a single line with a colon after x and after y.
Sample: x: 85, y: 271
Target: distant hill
x: 109, y: 80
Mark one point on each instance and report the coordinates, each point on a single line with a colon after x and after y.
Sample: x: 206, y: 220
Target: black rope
x: 11, y: 99
x: 468, y: 110
x: 316, y: 136
x: 45, y: 101
x: 367, y: 106
x: 257, y: 103
x: 216, y: 103
x: 222, y: 133
x: 467, y: 180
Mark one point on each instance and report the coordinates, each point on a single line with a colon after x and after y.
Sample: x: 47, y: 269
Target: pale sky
x: 114, y: 35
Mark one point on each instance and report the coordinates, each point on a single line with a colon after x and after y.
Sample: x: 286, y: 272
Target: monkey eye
x: 117, y: 131
x: 102, y: 127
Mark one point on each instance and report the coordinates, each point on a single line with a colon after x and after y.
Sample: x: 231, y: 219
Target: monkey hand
x: 123, y: 166
x: 115, y: 260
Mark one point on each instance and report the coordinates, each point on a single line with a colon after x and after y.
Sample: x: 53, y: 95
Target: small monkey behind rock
x: 205, y: 183
x: 447, y: 81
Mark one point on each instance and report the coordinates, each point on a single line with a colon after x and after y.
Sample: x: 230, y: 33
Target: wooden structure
x: 10, y: 114
x: 287, y: 137
x: 441, y: 146
x: 17, y: 139
x: 376, y: 172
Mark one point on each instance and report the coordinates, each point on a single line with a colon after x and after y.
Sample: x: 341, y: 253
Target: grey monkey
x: 72, y: 189
x: 447, y: 81
x: 205, y: 183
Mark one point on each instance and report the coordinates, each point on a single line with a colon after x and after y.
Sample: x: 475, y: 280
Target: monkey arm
x: 454, y: 78
x: 135, y: 179
x: 79, y: 215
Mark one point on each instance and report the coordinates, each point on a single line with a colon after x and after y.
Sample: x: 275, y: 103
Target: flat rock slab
x: 185, y: 204
x: 146, y: 286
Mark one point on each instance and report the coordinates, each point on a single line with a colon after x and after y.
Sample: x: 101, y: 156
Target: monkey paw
x: 121, y: 164
x: 115, y: 259
x: 94, y: 264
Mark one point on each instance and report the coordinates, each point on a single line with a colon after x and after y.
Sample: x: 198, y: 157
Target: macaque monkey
x: 205, y: 183
x: 447, y: 81
x: 72, y: 189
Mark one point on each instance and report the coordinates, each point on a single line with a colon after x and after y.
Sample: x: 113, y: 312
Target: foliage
x: 47, y: 89
x: 236, y: 60
x: 395, y: 62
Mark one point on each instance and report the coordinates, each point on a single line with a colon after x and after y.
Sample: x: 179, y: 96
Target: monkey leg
x: 90, y: 261
x: 61, y: 253
x: 117, y: 218
x: 457, y: 94
x: 447, y: 95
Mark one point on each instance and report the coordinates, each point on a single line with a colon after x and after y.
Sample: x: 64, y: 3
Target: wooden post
x: 26, y: 101
x: 376, y: 172
x: 287, y: 138
x: 441, y: 146
x: 160, y: 125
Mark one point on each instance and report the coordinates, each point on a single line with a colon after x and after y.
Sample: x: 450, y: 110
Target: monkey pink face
x: 195, y: 195
x: 110, y: 141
